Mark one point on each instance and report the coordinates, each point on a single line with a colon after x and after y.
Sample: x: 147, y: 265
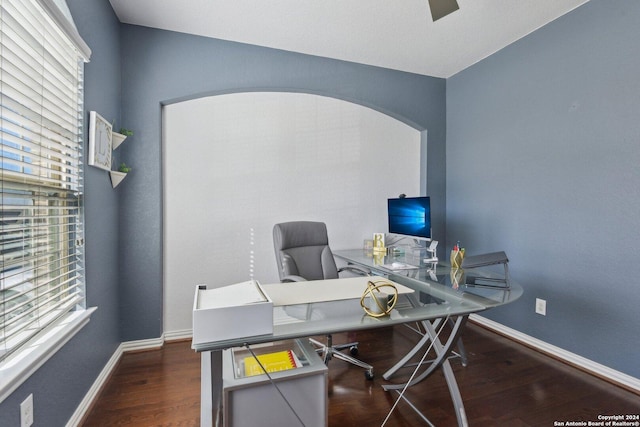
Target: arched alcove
x: 235, y: 164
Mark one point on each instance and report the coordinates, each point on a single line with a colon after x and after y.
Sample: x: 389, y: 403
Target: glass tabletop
x: 484, y: 286
x: 439, y: 293
x: 302, y: 320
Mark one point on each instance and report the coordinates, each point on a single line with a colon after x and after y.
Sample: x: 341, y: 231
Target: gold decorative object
x: 457, y: 277
x: 378, y: 242
x: 368, y: 246
x: 457, y: 256
x: 378, y: 303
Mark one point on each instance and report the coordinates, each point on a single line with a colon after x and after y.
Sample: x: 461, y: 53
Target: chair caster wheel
x: 368, y: 375
x: 353, y: 350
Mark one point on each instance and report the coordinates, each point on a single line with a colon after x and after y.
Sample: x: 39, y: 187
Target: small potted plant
x: 118, y: 175
x: 119, y: 137
x: 124, y: 168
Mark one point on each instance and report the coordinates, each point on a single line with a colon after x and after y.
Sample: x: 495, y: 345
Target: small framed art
x: 378, y: 242
x: 100, y: 143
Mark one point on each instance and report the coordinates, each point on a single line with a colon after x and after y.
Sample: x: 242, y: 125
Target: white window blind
x: 41, y: 167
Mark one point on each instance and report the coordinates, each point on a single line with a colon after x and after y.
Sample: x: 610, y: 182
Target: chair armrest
x: 293, y: 278
x: 355, y: 269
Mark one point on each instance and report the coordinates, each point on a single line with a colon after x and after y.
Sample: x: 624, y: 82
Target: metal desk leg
x: 442, y: 360
x: 454, y: 392
x: 462, y: 353
x: 424, y: 341
x: 402, y: 362
x: 211, y: 389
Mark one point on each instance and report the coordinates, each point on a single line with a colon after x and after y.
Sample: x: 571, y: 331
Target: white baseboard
x: 93, y: 392
x: 143, y: 344
x: 621, y: 379
x: 95, y: 389
x: 178, y: 335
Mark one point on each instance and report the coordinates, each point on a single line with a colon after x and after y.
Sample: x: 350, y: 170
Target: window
x: 41, y: 172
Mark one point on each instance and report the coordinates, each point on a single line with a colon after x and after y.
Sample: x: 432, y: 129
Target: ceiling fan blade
x: 441, y: 8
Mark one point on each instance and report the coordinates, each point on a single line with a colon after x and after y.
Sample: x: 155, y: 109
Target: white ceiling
x: 396, y: 34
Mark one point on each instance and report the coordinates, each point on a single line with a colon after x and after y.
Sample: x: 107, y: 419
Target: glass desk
x: 457, y: 283
x: 433, y: 302
x: 437, y: 282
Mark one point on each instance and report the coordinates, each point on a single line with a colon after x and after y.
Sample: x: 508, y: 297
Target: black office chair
x: 303, y: 253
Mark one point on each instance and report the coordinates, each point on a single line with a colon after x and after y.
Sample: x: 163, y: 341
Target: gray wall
x: 543, y: 161
x: 161, y: 66
x: 133, y: 71
x: 60, y: 385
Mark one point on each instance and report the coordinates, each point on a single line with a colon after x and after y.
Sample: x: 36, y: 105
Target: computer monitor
x: 410, y: 216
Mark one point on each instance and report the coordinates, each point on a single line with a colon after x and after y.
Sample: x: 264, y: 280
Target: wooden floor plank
x: 504, y: 384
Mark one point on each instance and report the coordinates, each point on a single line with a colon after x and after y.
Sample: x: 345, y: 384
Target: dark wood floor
x: 504, y: 384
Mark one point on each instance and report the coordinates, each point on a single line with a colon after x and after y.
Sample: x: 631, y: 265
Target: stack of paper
x: 231, y: 312
x: 232, y: 295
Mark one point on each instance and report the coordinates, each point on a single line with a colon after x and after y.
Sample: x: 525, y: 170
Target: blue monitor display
x: 410, y: 216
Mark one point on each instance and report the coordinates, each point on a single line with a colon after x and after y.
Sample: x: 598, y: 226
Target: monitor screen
x: 410, y: 216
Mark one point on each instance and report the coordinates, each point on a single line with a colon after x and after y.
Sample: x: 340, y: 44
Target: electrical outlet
x: 541, y: 306
x: 26, y: 412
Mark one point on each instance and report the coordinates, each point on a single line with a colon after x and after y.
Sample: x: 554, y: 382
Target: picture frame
x: 100, y: 141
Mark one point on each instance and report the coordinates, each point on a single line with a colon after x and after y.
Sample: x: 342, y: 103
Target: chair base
x: 329, y: 351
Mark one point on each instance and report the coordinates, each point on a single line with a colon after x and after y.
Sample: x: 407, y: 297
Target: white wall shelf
x: 116, y: 178
x: 117, y: 139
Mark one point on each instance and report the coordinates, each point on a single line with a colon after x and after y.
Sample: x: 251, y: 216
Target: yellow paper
x: 272, y: 362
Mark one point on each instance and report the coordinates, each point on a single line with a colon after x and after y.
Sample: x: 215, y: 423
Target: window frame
x: 72, y: 316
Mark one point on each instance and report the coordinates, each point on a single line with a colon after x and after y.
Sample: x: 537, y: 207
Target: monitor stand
x: 432, y: 251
